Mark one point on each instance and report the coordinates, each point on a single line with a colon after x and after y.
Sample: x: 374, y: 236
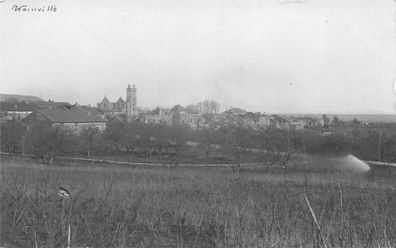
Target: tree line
x: 179, y: 143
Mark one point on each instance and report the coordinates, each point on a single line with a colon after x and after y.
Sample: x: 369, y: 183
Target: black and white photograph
x: 198, y: 123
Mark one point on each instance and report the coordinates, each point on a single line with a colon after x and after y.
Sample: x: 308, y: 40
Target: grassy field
x: 197, y: 207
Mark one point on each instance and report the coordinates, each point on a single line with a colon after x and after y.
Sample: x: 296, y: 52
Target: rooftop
x: 71, y: 116
x: 18, y: 106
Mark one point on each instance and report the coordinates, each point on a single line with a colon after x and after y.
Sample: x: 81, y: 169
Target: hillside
x: 371, y: 118
x: 367, y: 118
x: 19, y: 98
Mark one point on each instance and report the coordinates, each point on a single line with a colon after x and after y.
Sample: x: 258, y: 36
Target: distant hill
x: 367, y: 118
x: 370, y: 118
x: 19, y: 98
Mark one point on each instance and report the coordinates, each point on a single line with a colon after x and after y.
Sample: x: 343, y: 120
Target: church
x: 128, y: 107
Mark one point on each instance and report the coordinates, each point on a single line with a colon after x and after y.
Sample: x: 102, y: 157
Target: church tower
x: 131, y: 100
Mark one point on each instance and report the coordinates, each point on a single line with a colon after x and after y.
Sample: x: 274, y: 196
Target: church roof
x: 105, y: 100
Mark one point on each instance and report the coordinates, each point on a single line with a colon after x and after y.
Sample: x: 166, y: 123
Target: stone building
x: 74, y: 119
x: 128, y: 107
x: 131, y: 100
x: 157, y: 116
x: 264, y: 121
x: 19, y: 110
x: 305, y: 122
x: 190, y: 119
x: 280, y: 122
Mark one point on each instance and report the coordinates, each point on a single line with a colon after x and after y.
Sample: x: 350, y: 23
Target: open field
x: 198, y: 207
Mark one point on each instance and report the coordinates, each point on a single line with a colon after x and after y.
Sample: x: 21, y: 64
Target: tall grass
x: 194, y: 207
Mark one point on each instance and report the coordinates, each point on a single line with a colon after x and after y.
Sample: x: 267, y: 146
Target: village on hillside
x: 198, y: 124
x: 203, y: 115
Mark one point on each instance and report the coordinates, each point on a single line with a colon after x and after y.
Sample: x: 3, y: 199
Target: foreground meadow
x: 195, y: 207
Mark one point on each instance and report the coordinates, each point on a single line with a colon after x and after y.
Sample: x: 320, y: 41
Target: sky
x: 269, y: 56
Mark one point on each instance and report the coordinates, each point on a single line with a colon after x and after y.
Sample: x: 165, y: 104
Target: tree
x: 11, y: 136
x: 209, y: 139
x: 207, y: 107
x: 114, y: 134
x: 89, y: 138
x: 159, y: 132
x: 388, y: 152
x: 355, y: 132
x: 336, y: 121
x: 214, y: 106
x: 191, y: 109
x: 47, y: 142
x: 237, y: 145
x: 326, y: 120
x: 355, y: 122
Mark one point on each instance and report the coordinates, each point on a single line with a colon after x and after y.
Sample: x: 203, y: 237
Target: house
x: 54, y: 105
x: 264, y: 121
x: 175, y: 113
x: 178, y: 115
x: 19, y: 110
x: 251, y: 120
x: 214, y: 121
x: 304, y: 122
x: 16, y: 110
x: 191, y: 120
x: 280, y: 122
x: 297, y: 124
x: 256, y: 120
x: 235, y: 111
x: 150, y: 118
x: 166, y: 116
x: 74, y: 119
x: 156, y: 116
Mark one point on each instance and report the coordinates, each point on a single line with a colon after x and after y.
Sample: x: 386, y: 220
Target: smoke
x: 331, y: 164
x: 354, y: 164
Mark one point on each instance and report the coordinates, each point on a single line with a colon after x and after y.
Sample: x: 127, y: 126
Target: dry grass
x: 194, y: 207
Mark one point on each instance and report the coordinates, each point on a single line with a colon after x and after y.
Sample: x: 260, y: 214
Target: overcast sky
x: 267, y: 56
